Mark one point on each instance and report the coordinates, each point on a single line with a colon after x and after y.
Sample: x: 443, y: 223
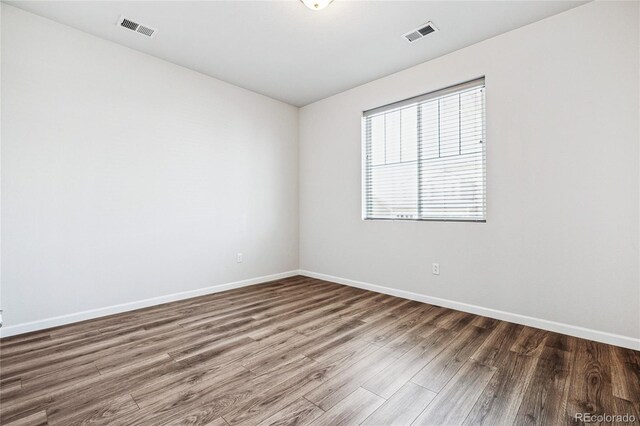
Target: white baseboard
x: 571, y: 330
x: 27, y: 327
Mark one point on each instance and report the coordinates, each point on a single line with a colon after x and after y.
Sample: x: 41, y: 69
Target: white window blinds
x: 424, y: 158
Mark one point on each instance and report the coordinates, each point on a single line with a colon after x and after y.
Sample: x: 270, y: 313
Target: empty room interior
x: 320, y: 212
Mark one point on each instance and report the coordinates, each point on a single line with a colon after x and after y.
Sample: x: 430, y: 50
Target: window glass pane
x: 429, y: 132
x: 409, y: 134
x: 427, y: 158
x: 392, y: 126
x: 376, y: 128
x: 449, y: 126
x: 471, y: 113
x: 394, y: 191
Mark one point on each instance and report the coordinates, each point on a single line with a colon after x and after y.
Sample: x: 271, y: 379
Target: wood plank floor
x: 305, y: 351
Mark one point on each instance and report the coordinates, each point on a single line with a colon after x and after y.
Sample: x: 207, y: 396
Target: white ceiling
x: 286, y: 51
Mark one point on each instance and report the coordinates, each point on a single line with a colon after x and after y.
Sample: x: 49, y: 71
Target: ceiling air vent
x: 420, y: 32
x: 134, y: 26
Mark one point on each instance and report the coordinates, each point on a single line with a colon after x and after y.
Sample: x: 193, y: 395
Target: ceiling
x: 288, y: 52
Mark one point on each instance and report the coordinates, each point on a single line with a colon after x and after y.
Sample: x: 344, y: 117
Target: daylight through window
x: 425, y: 157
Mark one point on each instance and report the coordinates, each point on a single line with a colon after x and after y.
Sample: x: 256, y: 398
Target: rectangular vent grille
x: 426, y: 30
x: 413, y: 36
x: 134, y: 26
x: 129, y: 24
x: 145, y: 30
x: 420, y: 32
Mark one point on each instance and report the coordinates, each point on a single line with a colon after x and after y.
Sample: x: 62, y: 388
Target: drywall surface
x: 561, y: 239
x: 127, y: 178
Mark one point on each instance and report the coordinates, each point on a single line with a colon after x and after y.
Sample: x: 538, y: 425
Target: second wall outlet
x: 239, y: 258
x: 435, y: 268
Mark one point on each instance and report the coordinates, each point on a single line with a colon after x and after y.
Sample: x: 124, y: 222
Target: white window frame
x: 469, y: 85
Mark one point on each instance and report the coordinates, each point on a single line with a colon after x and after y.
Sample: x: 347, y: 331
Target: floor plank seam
x: 386, y: 399
x: 97, y: 369
x: 417, y: 384
x: 173, y: 358
x: 134, y: 400
x: 314, y: 404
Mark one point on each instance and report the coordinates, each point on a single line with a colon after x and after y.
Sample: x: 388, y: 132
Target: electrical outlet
x: 239, y: 258
x: 435, y: 268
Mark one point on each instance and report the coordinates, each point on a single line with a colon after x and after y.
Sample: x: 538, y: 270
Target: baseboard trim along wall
x: 571, y: 330
x: 130, y: 306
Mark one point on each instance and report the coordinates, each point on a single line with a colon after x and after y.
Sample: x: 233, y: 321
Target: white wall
x: 125, y: 177
x: 562, y: 234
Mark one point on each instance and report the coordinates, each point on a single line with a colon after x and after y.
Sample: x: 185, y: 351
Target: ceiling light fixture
x: 316, y: 4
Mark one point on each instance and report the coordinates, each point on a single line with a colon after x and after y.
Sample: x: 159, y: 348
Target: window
x: 424, y: 158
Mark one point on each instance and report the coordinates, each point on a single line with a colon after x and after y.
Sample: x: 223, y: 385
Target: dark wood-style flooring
x: 305, y: 351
